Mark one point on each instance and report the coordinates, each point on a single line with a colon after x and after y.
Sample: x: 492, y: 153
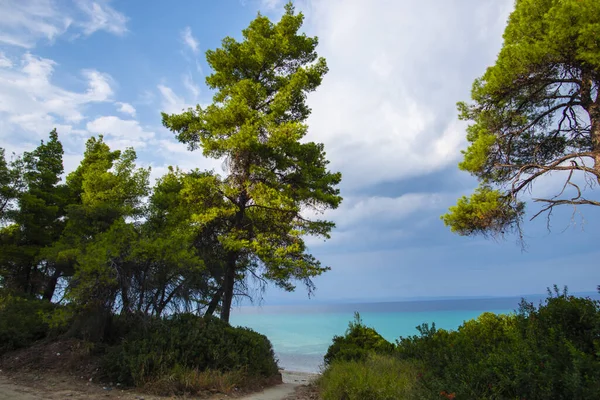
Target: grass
x: 379, y: 377
x: 192, y: 382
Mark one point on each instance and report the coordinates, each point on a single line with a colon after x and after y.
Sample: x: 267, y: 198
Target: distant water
x: 301, y: 334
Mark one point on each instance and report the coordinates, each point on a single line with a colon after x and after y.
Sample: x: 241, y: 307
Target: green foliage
x: 536, y: 111
x: 376, y: 377
x: 257, y: 122
x: 11, y: 184
x: 358, y: 342
x: 485, y: 211
x: 189, y: 342
x: 33, y: 200
x: 23, y: 320
x: 106, y: 189
x: 550, y: 351
x: 184, y: 256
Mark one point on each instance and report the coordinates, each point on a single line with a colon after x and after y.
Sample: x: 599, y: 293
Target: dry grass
x: 193, y: 382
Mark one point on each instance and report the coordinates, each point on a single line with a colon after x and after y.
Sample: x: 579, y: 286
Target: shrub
x: 192, y: 381
x: 552, y: 351
x: 357, y: 343
x: 189, y: 342
x: 23, y: 320
x: 376, y: 377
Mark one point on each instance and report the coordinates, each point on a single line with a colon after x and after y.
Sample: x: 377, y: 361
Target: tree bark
x: 51, y: 286
x: 232, y: 260
x: 228, y: 285
x: 592, y: 106
x: 595, y: 122
x: 214, y: 302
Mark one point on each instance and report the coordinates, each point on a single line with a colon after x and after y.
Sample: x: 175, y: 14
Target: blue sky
x: 386, y: 113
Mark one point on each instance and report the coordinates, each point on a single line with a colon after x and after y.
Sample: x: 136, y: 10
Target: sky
x: 386, y: 112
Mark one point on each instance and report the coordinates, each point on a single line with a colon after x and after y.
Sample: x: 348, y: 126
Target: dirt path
x: 50, y: 390
x: 55, y: 387
x: 291, y: 380
x: 279, y: 392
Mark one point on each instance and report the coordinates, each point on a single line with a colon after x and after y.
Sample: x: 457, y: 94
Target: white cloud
x: 191, y: 86
x: 100, y: 16
x: 25, y: 22
x: 120, y: 133
x: 365, y: 210
x: 172, y: 103
x: 30, y: 101
x: 386, y: 110
x: 99, y: 85
x: 270, y: 5
x: 189, y: 40
x: 126, y: 108
x: 5, y: 62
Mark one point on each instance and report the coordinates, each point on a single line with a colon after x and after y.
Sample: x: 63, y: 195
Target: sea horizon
x: 301, y: 333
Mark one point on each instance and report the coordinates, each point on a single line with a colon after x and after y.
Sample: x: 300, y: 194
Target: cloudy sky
x: 386, y: 113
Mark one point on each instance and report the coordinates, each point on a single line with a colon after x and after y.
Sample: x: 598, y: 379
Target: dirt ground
x: 51, y: 386
x: 66, y: 370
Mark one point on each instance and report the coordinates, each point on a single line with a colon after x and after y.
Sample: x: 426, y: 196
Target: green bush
x: 23, y: 320
x: 190, y: 342
x: 358, y: 342
x: 376, y: 377
x: 550, y: 351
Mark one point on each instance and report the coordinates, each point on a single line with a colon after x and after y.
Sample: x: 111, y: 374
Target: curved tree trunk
x: 228, y: 285
x: 595, y: 122
x: 51, y: 285
x: 214, y: 302
x: 232, y: 260
x: 592, y: 106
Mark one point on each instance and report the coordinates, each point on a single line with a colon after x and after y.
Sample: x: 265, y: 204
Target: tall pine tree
x: 274, y: 179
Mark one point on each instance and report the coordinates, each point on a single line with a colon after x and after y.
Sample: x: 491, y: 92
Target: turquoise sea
x: 301, y: 334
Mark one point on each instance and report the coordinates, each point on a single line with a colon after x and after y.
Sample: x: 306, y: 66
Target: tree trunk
x: 214, y: 302
x: 228, y: 285
x: 51, y: 286
x: 232, y: 260
x: 126, y: 310
x: 595, y: 123
x: 592, y: 106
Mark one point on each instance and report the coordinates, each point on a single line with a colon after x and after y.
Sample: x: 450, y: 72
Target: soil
x: 68, y: 369
x: 304, y: 392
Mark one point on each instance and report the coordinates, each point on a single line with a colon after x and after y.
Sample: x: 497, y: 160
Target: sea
x: 301, y: 334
